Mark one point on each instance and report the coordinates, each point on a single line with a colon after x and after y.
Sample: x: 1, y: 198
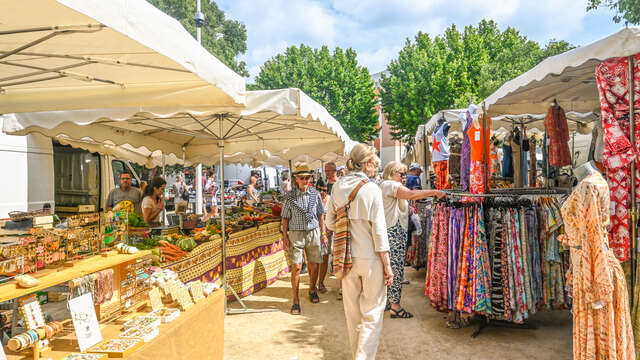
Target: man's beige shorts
x: 305, y: 241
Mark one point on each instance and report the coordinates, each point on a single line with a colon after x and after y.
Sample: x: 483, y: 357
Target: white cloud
x: 377, y: 29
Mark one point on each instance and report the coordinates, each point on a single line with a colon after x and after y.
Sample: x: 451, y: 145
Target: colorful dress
x: 555, y: 123
x: 612, y: 80
x: 465, y: 155
x: 601, y: 319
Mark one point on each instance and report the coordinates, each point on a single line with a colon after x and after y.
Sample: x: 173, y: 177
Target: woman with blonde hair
x: 252, y: 192
x: 363, y: 286
x: 394, y: 197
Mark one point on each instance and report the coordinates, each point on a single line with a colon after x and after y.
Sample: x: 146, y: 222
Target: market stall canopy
x: 569, y: 78
x: 285, y: 122
x: 451, y: 116
x: 141, y: 156
x: 580, y: 122
x: 90, y: 54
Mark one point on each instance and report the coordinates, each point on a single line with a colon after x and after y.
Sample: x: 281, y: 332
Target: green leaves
x: 334, y: 80
x: 627, y: 10
x: 224, y: 38
x: 454, y: 69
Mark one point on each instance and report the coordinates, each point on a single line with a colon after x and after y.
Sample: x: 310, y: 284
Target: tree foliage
x: 334, y: 80
x: 627, y: 10
x: 224, y: 38
x: 455, y: 69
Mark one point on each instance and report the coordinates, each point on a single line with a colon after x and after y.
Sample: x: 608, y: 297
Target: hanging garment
x: 436, y: 288
x: 478, y: 143
x: 495, y: 163
x: 442, y: 174
x: 440, y: 148
x: 465, y: 155
x: 596, y: 149
x: 454, y: 158
x: 601, y: 319
x: 555, y: 123
x: 507, y: 160
x: 533, y: 172
x: 612, y: 81
x: 517, y: 163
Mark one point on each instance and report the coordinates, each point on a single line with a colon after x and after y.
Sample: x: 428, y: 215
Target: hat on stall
x: 415, y: 166
x: 302, y: 169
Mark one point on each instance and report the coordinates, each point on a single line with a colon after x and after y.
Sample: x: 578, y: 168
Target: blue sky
x: 377, y: 29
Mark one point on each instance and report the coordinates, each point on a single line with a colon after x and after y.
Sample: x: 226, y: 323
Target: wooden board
x: 49, y: 278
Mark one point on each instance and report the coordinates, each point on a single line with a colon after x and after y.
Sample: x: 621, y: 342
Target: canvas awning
x: 94, y: 54
x: 284, y: 122
x: 569, y: 78
x: 141, y: 156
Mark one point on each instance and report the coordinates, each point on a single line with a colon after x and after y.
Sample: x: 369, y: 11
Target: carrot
x: 169, y: 245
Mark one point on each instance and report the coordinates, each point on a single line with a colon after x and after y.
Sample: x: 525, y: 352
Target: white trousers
x: 364, y: 298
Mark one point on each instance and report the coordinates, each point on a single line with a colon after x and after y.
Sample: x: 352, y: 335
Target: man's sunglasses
x: 304, y: 177
x: 125, y: 178
x: 402, y: 174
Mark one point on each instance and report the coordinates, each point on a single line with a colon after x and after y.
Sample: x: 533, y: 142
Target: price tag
x: 612, y: 208
x: 477, y: 136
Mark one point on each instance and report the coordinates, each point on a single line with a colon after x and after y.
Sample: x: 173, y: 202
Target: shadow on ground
x: 320, y: 332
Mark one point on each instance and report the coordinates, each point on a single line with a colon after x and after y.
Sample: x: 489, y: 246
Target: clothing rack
x: 487, y: 322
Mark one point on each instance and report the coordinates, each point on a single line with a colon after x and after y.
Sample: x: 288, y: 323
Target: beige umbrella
x: 91, y: 54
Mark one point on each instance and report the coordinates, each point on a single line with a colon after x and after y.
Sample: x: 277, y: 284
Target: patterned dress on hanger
x: 601, y: 319
x: 612, y: 80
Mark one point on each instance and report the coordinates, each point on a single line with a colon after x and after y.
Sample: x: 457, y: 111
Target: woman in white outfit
x: 364, y: 287
x: 394, y: 197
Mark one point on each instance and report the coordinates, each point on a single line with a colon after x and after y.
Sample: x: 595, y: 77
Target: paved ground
x: 319, y: 333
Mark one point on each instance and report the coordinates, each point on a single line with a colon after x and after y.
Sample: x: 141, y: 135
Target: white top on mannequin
x: 585, y: 170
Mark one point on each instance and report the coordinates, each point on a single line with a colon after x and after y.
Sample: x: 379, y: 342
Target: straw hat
x: 302, y: 169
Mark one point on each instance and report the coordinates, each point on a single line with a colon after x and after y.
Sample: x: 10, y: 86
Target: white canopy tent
x: 90, y: 54
x: 285, y: 122
x: 141, y: 156
x: 569, y: 78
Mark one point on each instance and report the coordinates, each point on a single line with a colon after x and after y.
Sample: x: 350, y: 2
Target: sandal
x: 313, y: 297
x: 401, y: 314
x: 339, y: 297
x: 387, y: 308
x: 295, y: 309
x: 322, y: 289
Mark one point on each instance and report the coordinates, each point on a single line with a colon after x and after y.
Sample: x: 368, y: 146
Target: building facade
x: 388, y: 149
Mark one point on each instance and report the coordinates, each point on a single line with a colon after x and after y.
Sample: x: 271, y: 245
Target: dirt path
x: 319, y: 333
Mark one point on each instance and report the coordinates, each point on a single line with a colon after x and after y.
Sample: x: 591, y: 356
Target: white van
x: 37, y: 170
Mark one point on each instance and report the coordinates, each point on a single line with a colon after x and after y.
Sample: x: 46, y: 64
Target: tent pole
x: 225, y: 284
x: 164, y: 176
x: 633, y: 213
x: 487, y: 169
x: 424, y: 156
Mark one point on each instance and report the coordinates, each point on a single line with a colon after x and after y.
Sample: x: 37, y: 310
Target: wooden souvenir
x: 156, y: 299
x: 128, y: 347
x: 196, y: 290
x: 34, y: 318
x: 184, y: 298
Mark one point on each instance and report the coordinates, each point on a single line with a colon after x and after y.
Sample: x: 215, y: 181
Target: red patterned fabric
x: 558, y: 131
x: 612, y: 79
x: 441, y: 169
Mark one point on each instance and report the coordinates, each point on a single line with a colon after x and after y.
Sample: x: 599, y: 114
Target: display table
x: 255, y: 259
x: 53, y: 277
x: 197, y: 333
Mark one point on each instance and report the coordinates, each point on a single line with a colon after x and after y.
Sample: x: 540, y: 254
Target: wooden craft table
x: 197, y: 333
x: 53, y: 277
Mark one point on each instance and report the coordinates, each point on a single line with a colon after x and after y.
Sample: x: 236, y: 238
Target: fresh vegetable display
x: 173, y: 247
x: 136, y: 220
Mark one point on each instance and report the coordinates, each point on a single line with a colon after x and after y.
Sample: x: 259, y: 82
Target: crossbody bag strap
x: 355, y: 191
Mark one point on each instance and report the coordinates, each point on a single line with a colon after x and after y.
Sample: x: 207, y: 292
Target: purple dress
x: 465, y: 155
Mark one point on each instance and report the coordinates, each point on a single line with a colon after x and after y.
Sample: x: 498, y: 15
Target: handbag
x: 342, y: 261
